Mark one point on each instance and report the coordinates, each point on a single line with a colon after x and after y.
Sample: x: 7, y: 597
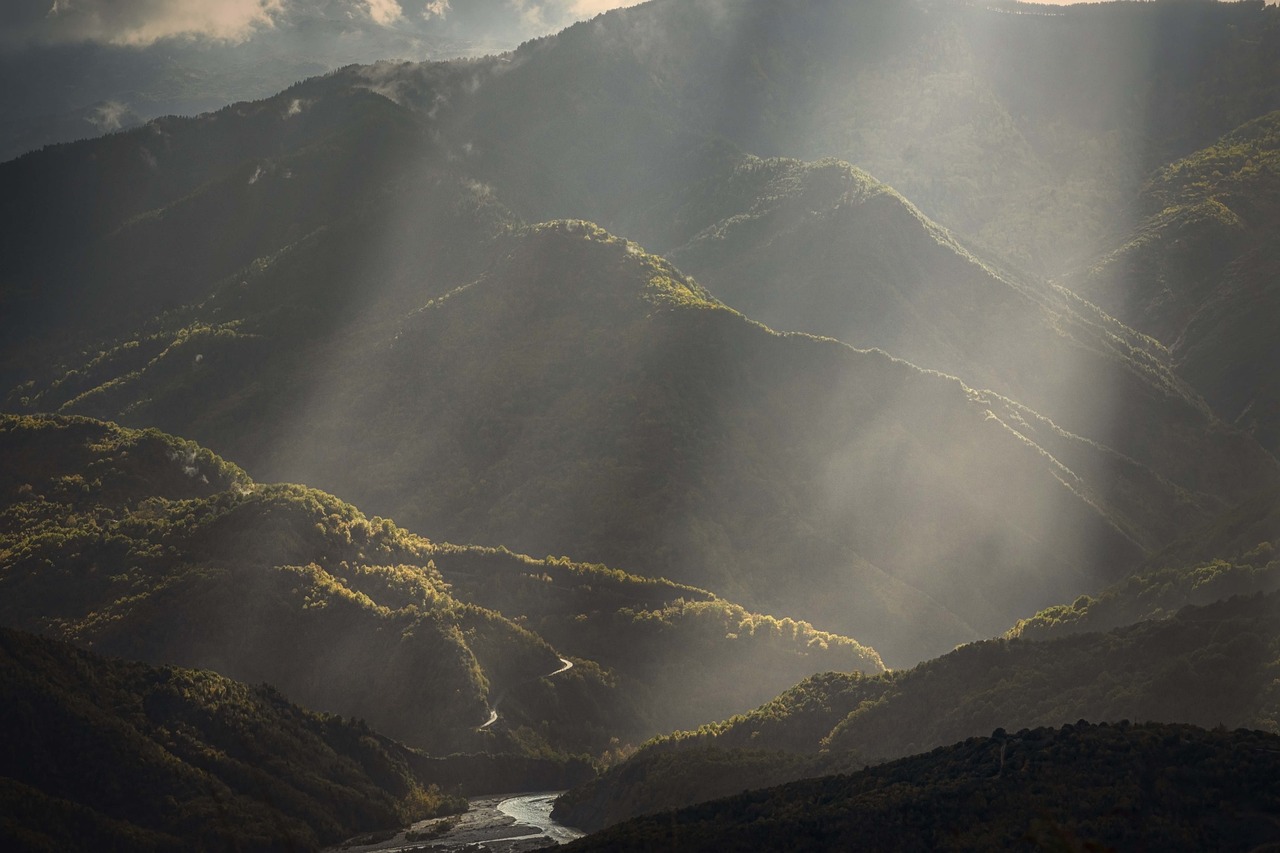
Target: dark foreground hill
x: 1125, y: 787
x: 147, y: 546
x: 105, y: 754
x: 1208, y: 666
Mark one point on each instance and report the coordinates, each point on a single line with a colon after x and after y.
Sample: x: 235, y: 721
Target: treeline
x: 136, y: 544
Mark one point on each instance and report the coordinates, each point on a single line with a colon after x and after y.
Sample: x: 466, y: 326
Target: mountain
x: 82, y: 70
x: 991, y: 117
x: 772, y: 324
x: 334, y: 286
x: 1198, y: 273
x: 146, y: 546
x: 1210, y: 666
x: 825, y: 249
x: 619, y: 434
x: 583, y: 396
x: 102, y: 753
x: 1077, y: 787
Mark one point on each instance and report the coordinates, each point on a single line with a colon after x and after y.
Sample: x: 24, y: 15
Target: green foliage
x: 1232, y: 555
x: 372, y: 319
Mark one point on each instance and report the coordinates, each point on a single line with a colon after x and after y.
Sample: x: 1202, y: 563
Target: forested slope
x: 101, y: 753
x: 1082, y: 786
x: 147, y: 546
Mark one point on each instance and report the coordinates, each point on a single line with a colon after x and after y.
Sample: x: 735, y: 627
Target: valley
x: 713, y: 396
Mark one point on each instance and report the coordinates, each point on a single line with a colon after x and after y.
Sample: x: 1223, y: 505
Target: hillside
x: 1199, y: 271
x: 101, y: 754
x: 824, y: 248
x: 1000, y: 126
x: 1208, y: 666
x: 185, y: 203
x: 1233, y: 555
x: 1079, y: 787
x: 147, y: 546
x: 143, y: 546
x: 581, y: 396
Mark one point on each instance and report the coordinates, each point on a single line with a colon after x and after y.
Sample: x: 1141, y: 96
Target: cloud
x: 384, y: 11
x: 142, y: 22
x: 435, y: 9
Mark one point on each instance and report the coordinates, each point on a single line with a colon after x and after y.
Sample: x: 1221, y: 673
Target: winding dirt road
x: 493, y: 710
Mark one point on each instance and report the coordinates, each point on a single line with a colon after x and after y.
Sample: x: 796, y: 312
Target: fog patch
x: 108, y: 116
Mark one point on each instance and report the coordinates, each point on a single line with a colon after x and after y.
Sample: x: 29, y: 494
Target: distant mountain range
x: 76, y: 70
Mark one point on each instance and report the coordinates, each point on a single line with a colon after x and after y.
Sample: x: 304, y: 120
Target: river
x: 535, y: 810
x: 504, y: 824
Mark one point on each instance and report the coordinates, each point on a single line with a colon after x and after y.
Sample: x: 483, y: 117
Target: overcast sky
x: 141, y: 22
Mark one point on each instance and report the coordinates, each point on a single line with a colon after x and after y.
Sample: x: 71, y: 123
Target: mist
x: 769, y: 362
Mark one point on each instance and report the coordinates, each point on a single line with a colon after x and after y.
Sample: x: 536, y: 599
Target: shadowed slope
x: 1118, y: 787
x: 1209, y: 666
x: 1200, y: 272
x: 108, y: 754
